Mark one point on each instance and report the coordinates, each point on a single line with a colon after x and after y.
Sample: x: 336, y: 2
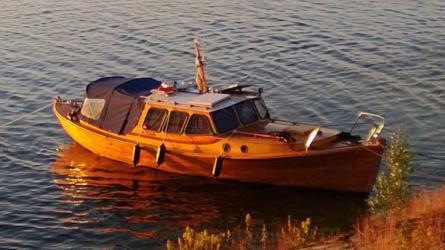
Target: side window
x: 198, y: 124
x: 92, y: 108
x: 155, y: 117
x: 176, y: 122
x: 261, y: 108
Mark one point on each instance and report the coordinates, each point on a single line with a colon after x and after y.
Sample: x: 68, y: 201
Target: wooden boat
x: 221, y: 132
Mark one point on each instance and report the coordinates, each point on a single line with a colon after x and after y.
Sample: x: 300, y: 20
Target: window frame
x: 209, y: 122
x: 88, y: 111
x: 184, y: 124
x: 255, y: 111
x: 236, y: 117
x: 258, y: 113
x: 162, y: 124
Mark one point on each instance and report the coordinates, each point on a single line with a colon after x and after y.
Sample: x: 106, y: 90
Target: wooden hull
x: 347, y: 168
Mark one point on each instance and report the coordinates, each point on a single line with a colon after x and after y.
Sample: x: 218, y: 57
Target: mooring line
x: 25, y: 115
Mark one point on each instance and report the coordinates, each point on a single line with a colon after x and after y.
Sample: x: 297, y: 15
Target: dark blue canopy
x: 123, y: 105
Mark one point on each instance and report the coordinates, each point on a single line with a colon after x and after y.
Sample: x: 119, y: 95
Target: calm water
x: 317, y: 61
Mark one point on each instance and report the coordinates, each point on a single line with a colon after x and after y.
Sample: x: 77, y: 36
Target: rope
x: 364, y: 147
x: 25, y: 115
x: 379, y: 155
x: 342, y: 124
x: 423, y: 155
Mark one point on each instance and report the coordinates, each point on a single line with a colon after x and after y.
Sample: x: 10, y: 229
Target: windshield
x: 246, y: 112
x: 261, y: 108
x: 225, y: 119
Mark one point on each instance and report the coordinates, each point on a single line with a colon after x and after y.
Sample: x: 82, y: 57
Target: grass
x: 294, y: 235
x: 419, y: 224
x: 297, y: 235
x: 395, y: 221
x: 398, y: 221
x: 201, y: 240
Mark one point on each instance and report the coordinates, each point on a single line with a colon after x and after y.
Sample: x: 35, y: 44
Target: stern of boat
x: 67, y: 109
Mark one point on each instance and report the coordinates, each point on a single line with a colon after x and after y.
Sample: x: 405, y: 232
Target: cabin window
x: 225, y: 119
x: 246, y: 112
x: 199, y: 124
x: 154, y: 119
x: 176, y: 122
x: 92, y: 108
x: 261, y: 108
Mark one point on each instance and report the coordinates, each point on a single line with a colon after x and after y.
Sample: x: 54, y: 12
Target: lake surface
x: 316, y: 61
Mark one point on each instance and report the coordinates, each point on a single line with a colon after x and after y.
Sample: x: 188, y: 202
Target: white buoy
x: 311, y: 138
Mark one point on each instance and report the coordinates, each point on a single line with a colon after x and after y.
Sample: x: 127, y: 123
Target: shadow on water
x: 109, y: 198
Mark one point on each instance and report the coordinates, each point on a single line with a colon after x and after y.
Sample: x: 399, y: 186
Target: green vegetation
x: 294, y: 236
x: 203, y: 240
x: 419, y: 223
x: 391, y: 189
x: 410, y: 222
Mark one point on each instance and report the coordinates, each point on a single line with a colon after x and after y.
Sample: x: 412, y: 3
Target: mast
x: 200, y: 74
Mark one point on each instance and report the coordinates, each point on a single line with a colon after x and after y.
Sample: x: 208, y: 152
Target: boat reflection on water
x: 109, y: 197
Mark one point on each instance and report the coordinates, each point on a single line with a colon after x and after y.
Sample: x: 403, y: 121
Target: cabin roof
x: 121, y: 104
x: 195, y: 101
x: 133, y: 87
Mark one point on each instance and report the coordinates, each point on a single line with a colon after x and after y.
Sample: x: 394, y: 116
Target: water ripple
x: 317, y: 61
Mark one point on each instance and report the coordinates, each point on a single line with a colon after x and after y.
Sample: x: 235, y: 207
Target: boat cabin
x: 206, y: 114
x: 150, y: 107
x: 116, y: 104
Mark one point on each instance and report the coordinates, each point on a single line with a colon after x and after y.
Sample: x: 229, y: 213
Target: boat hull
x: 339, y: 171
x: 349, y: 168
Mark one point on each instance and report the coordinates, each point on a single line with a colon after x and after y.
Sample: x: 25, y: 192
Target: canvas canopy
x: 114, y: 103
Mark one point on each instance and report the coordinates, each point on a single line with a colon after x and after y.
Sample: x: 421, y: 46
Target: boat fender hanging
x: 136, y: 154
x: 160, y: 153
x: 311, y: 138
x: 217, y: 166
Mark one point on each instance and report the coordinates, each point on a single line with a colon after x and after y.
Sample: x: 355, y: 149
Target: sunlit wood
x: 200, y: 79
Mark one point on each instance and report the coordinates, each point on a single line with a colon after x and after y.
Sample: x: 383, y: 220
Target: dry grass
x: 295, y: 235
x: 420, y: 224
x: 192, y: 240
x: 395, y: 222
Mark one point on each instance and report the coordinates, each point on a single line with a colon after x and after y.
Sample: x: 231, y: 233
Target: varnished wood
x: 327, y: 165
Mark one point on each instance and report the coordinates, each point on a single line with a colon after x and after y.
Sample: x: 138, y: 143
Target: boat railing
x: 76, y: 101
x: 262, y: 135
x: 162, y: 99
x: 293, y: 123
x: 377, y: 127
